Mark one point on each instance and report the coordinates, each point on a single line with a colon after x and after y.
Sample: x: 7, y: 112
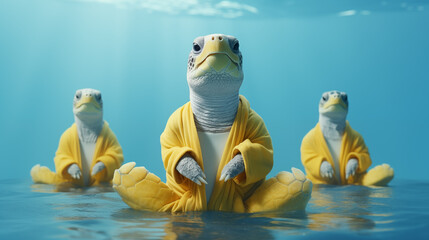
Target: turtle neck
x: 214, y: 113
x: 89, y: 127
x: 332, y: 127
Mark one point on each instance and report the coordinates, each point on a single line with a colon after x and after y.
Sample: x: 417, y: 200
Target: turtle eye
x: 196, y: 47
x: 98, y: 96
x: 78, y: 95
x: 236, y: 46
x: 325, y: 97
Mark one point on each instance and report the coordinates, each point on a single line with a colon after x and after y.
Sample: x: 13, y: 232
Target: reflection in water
x: 68, y: 187
x: 78, y: 212
x: 331, y: 208
x: 192, y: 225
x: 141, y: 225
x: 294, y: 223
x: 99, y: 213
x: 348, y: 207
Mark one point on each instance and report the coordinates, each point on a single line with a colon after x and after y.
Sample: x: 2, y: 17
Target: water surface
x: 35, y: 211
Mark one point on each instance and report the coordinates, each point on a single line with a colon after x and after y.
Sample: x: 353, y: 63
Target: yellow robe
x: 314, y: 150
x: 107, y: 151
x: 247, y: 192
x: 248, y: 136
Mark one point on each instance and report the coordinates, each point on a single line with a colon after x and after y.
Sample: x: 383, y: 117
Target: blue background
x: 376, y: 52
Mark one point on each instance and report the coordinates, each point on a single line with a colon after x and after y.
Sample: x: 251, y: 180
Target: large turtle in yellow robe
x: 88, y: 152
x: 334, y: 153
x: 216, y: 150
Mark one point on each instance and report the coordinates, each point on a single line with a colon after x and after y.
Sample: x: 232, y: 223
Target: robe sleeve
x: 64, y: 155
x: 257, y: 151
x: 112, y: 157
x: 173, y: 147
x: 311, y: 158
x: 360, y: 152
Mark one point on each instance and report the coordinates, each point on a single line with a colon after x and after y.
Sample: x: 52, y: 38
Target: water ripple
x: 98, y: 213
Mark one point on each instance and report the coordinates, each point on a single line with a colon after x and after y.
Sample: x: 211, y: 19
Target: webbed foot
x: 285, y: 192
x: 380, y: 175
x: 42, y: 174
x: 141, y: 189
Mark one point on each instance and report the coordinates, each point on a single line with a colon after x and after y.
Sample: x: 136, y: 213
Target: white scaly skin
x: 333, y: 109
x: 88, y: 114
x: 214, y: 88
x: 214, y: 78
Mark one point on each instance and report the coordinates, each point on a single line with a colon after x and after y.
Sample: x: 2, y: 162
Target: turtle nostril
x: 213, y: 38
x: 220, y: 38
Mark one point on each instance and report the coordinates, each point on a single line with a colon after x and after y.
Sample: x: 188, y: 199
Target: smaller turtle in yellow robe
x: 334, y: 153
x: 88, y: 152
x: 216, y: 149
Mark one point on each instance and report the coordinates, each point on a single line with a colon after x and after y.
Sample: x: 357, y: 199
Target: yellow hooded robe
x: 107, y: 150
x: 314, y: 151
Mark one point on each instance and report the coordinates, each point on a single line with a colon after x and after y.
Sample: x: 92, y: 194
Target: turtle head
x: 215, y: 65
x: 87, y: 104
x: 334, y: 104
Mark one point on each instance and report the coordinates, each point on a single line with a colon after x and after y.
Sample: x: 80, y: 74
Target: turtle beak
x: 218, y: 56
x: 335, y: 101
x: 89, y: 101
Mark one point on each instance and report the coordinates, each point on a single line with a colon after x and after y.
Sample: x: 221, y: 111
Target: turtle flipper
x: 380, y: 175
x: 141, y: 189
x: 41, y: 174
x: 285, y: 192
